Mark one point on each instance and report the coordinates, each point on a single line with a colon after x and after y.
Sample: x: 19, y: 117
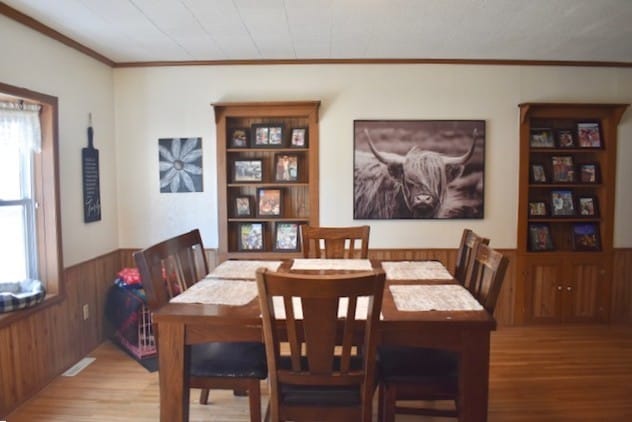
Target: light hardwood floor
x: 556, y: 374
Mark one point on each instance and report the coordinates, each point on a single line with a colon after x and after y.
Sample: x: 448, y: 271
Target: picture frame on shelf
x: 586, y: 237
x: 563, y: 169
x: 286, y: 237
x: 243, y: 207
x: 540, y: 237
x: 250, y: 237
x: 562, y: 204
x: 269, y: 202
x: 589, y: 173
x: 566, y: 138
x: 538, y: 173
x: 589, y: 135
x: 247, y: 170
x: 588, y: 206
x: 299, y: 137
x: 260, y: 136
x: 267, y: 135
x: 286, y: 168
x: 537, y: 209
x: 542, y: 138
x: 238, y: 138
x: 276, y: 136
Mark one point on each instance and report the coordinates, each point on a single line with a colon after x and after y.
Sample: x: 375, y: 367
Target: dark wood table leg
x: 174, y: 394
x: 474, y: 377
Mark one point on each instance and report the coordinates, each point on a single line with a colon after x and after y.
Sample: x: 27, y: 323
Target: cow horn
x: 463, y: 158
x: 381, y: 157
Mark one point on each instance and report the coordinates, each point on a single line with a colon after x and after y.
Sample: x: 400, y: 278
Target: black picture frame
x: 540, y: 239
x: 381, y: 147
x: 563, y: 169
x: 541, y: 138
x: 238, y: 138
x: 587, y: 206
x: 269, y: 202
x: 586, y: 237
x: 589, y: 135
x: 243, y: 206
x: 250, y: 237
x: 538, y: 173
x: 298, y: 139
x: 562, y: 204
x: 589, y: 173
x: 267, y: 135
x: 286, y: 237
x: 248, y: 170
x: 538, y: 209
x: 565, y: 138
x: 286, y: 167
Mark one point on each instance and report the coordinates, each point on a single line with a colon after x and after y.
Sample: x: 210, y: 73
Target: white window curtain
x: 20, y: 123
x: 20, y: 139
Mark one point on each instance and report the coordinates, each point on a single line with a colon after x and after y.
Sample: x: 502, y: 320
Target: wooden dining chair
x: 335, y: 242
x: 423, y: 374
x: 464, y: 258
x: 169, y: 268
x: 316, y: 373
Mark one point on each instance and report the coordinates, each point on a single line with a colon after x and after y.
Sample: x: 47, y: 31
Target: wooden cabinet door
x: 583, y: 291
x: 543, y: 288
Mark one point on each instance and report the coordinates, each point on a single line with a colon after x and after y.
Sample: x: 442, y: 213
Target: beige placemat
x: 362, y: 307
x: 416, y: 270
x: 244, y: 270
x: 219, y: 292
x: 439, y: 297
x: 332, y: 264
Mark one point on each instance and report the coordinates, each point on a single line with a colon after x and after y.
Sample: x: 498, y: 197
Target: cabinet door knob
x: 559, y: 288
x: 569, y: 288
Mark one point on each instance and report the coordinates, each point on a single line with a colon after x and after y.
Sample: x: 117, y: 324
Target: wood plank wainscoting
x: 38, y: 347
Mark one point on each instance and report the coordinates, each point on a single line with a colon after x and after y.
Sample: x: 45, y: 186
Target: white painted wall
x: 82, y: 85
x: 132, y: 108
x: 152, y: 103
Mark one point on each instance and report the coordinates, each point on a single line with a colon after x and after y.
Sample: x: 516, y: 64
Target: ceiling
x: 131, y: 31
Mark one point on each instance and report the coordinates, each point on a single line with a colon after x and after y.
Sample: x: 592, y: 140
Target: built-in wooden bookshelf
x: 566, y: 211
x: 267, y: 153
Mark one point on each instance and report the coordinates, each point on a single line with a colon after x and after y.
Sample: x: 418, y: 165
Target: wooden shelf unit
x: 566, y: 283
x: 300, y: 197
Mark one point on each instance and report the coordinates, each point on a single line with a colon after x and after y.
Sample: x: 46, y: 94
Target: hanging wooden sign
x: 90, y: 173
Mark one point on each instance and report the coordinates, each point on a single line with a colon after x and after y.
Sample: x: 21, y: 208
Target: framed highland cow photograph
x: 418, y: 169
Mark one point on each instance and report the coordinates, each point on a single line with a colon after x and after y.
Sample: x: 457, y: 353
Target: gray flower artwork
x: 180, y: 163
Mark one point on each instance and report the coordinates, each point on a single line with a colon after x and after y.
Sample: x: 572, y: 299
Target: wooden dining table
x: 464, y: 332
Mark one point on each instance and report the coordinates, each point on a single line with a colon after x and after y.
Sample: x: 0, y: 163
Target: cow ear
x: 396, y: 170
x: 453, y: 172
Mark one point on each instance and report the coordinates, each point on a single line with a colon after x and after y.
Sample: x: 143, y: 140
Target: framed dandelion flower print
x: 180, y: 164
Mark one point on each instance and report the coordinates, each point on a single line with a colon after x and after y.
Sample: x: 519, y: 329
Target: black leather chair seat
x: 410, y: 363
x: 306, y: 395
x: 228, y: 359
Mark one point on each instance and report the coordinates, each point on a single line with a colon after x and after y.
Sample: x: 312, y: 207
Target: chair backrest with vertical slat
x: 321, y: 344
x: 171, y: 266
x: 335, y: 242
x: 464, y: 259
x: 488, y: 274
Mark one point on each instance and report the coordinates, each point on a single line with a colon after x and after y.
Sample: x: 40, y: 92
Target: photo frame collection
x: 267, y: 135
x: 585, y: 135
x: 563, y: 204
x: 564, y: 170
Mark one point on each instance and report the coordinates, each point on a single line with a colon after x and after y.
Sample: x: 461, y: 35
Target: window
x: 30, y: 245
x: 20, y: 140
